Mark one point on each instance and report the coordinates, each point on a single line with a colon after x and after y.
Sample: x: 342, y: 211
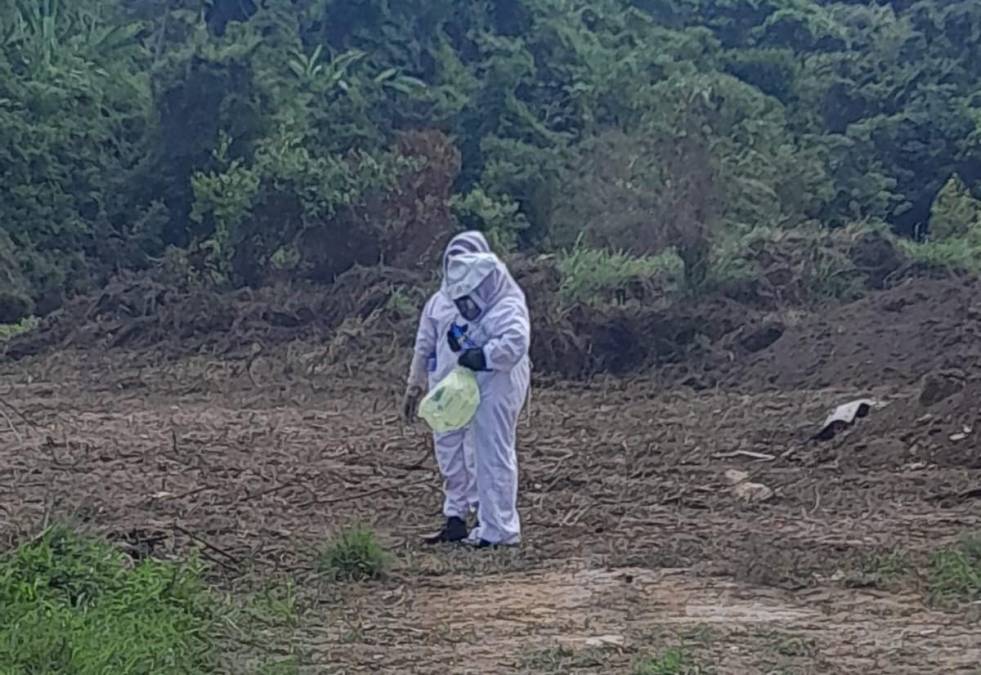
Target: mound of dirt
x: 801, y: 268
x: 622, y: 339
x: 937, y: 425
x: 139, y: 312
x: 895, y: 336
x: 154, y: 312
x: 892, y: 336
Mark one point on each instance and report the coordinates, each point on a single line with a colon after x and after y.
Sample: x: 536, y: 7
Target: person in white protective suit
x: 478, y: 463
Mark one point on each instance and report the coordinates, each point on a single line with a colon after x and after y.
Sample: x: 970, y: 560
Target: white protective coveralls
x: 479, y: 463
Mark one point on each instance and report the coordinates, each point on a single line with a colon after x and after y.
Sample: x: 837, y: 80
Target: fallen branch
x: 362, y: 495
x: 18, y: 413
x: 417, y: 464
x: 20, y: 439
x: 950, y: 498
x: 208, y: 545
x: 269, y: 491
x: 745, y: 453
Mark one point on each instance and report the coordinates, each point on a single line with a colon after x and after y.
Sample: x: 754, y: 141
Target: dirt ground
x: 635, y: 538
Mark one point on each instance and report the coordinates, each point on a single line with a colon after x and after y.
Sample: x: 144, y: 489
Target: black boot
x: 454, y: 530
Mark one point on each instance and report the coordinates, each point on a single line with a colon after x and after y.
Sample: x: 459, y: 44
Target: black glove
x: 473, y: 359
x: 410, y: 403
x: 455, y: 345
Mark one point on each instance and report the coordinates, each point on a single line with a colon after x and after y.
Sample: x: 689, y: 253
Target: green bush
x: 955, y: 214
x: 595, y: 276
x: 957, y: 254
x: 10, y: 330
x: 265, y: 133
x: 955, y: 572
x: 14, y: 307
x: 75, y: 605
x: 354, y: 555
x: 497, y: 216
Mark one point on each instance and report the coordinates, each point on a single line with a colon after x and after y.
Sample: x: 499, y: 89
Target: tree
x: 955, y: 213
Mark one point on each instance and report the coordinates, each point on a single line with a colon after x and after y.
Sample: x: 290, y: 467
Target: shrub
x: 71, y: 604
x: 955, y: 572
x: 354, y: 555
x: 640, y: 194
x: 599, y: 276
x: 955, y: 213
x: 8, y: 331
x: 14, y: 307
x: 670, y: 662
x: 955, y: 254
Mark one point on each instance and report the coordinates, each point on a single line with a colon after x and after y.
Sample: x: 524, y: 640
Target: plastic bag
x: 452, y: 403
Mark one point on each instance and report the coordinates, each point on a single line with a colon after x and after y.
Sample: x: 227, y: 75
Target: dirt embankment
x: 752, y: 336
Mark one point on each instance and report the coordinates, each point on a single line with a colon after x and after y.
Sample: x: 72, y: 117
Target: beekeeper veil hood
x: 473, y: 277
x: 465, y: 242
x: 466, y: 272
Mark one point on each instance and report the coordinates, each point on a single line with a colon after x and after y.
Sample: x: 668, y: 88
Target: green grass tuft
x: 955, y: 573
x: 354, y: 555
x: 958, y: 254
x: 881, y: 569
x: 674, y: 661
x: 74, y: 605
x: 595, y: 276
x: 287, y: 666
x: 563, y: 660
x: 10, y: 330
x: 402, y: 303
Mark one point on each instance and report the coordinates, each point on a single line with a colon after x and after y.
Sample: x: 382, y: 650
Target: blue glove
x: 456, y: 336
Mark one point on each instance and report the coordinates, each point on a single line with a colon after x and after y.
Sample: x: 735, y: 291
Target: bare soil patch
x: 184, y: 438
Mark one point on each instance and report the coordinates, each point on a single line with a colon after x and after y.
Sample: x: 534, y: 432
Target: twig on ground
x: 269, y: 491
x: 745, y: 453
x: 362, y: 495
x: 18, y: 413
x: 20, y: 439
x: 208, y: 545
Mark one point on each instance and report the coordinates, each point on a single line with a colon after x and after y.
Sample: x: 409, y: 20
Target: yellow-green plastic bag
x: 452, y: 403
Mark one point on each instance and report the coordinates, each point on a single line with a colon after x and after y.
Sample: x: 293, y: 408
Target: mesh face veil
x: 468, y: 308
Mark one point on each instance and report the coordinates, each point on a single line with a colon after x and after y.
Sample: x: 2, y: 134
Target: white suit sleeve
x: 424, y: 347
x: 511, y: 336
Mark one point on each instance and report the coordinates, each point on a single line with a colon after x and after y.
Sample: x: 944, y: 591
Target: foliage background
x: 268, y: 139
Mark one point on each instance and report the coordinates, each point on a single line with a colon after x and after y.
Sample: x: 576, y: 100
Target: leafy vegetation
x: 600, y: 276
x: 68, y: 604
x: 955, y: 572
x: 564, y: 660
x: 8, y: 331
x: 673, y: 661
x: 882, y: 569
x: 300, y: 137
x: 354, y: 555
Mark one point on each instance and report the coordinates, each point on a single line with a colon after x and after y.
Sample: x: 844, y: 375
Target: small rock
x: 763, y: 337
x: 895, y: 305
x: 780, y: 276
x: 958, y: 437
x: 940, y: 386
x: 735, y: 476
x: 601, y: 641
x: 752, y: 492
